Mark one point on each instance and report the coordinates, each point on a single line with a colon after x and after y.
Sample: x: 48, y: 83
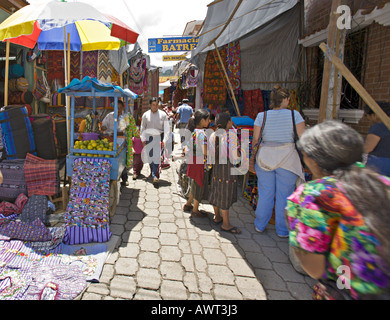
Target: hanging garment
x: 253, y: 103
x: 214, y: 88
x: 233, y: 61
x: 55, y: 66
x: 137, y: 74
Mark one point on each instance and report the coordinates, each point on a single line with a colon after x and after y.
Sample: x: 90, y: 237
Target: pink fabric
x: 137, y: 145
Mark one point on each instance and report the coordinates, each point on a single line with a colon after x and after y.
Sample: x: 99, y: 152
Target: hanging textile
x: 253, y: 103
x: 104, y: 72
x: 266, y: 94
x: 74, y: 65
x: 55, y: 66
x: 190, y: 78
x: 90, y: 61
x: 214, y: 88
x: 233, y: 60
x: 293, y: 103
x: 137, y: 74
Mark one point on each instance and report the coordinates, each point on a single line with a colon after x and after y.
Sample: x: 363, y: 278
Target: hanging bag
x: 257, y: 145
x: 41, y: 91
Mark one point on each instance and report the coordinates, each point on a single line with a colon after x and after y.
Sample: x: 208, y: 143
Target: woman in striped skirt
x: 223, y: 187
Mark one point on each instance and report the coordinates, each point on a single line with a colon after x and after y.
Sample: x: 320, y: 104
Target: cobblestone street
x: 161, y: 253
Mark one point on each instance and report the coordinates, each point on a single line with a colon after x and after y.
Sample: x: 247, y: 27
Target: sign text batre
x: 172, y: 44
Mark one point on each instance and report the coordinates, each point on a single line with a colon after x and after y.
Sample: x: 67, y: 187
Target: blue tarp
x: 88, y: 83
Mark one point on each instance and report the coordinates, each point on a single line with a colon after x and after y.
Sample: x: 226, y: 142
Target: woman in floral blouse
x: 339, y: 223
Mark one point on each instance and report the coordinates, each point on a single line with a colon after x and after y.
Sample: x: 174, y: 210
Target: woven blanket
x: 25, y: 231
x: 87, y: 213
x: 41, y: 176
x: 253, y: 103
x: 55, y: 66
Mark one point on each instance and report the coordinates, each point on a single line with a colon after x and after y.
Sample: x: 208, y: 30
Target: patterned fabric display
x: 36, y: 207
x: 233, y: 59
x: 41, y: 176
x: 105, y: 68
x: 214, y: 89
x: 58, y: 282
x: 34, y: 231
x: 87, y: 213
x: 253, y: 103
x: 137, y: 73
x: 90, y: 61
x: 55, y: 68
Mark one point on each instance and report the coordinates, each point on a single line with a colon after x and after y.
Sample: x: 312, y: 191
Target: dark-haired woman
x: 339, y: 222
x: 223, y: 145
x: 196, y: 162
x: 278, y: 166
x: 377, y: 144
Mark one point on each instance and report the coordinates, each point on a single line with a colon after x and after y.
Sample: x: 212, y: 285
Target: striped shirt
x: 278, y: 125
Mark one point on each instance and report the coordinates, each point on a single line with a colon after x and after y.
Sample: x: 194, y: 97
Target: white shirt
x: 109, y: 121
x: 153, y: 124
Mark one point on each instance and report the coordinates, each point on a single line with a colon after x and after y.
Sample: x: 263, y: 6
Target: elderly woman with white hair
x: 339, y: 222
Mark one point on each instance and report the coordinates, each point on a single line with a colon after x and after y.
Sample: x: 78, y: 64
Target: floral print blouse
x: 323, y: 221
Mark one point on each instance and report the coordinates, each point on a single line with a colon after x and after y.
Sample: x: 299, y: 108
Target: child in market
x: 196, y: 167
x: 137, y: 158
x: 223, y: 188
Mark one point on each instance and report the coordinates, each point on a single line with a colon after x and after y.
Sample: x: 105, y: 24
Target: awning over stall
x: 249, y: 16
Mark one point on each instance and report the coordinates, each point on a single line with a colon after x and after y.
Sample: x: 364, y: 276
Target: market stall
x: 91, y: 87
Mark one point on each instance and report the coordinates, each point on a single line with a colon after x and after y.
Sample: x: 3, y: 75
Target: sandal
x: 199, y: 214
x: 217, y: 222
x: 187, y: 208
x: 233, y: 230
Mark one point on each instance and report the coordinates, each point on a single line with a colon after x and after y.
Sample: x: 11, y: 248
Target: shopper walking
x: 197, y: 168
x: 183, y: 114
x: 377, y: 144
x: 155, y: 133
x: 223, y: 187
x: 339, y: 222
x: 277, y: 164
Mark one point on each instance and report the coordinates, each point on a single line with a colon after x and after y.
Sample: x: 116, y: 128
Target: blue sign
x: 172, y: 44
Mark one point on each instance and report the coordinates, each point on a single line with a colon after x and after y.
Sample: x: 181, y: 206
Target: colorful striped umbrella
x: 42, y: 23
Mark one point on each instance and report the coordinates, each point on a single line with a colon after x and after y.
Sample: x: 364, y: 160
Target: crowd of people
x: 338, y: 223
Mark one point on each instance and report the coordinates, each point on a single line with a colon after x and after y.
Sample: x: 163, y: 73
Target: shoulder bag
x: 256, y: 146
x: 296, y: 139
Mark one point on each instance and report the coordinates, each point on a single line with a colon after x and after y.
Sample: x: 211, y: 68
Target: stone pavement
x: 163, y: 254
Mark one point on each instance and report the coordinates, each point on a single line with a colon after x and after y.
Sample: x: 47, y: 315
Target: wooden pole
x: 70, y: 143
x: 6, y: 73
x: 356, y: 85
x: 328, y: 65
x: 228, y: 81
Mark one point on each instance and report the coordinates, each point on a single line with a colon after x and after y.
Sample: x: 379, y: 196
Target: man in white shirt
x: 154, y: 130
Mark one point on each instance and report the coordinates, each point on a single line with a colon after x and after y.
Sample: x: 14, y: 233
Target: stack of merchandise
x: 87, y: 213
